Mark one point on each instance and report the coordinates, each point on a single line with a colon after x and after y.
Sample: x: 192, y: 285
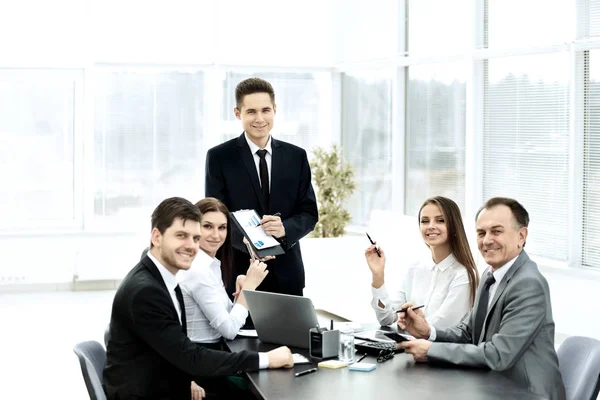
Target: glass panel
x: 526, y: 144
x: 435, y: 140
x: 367, y: 140
x: 591, y: 165
x: 522, y: 23
x: 439, y: 26
x: 147, y: 142
x: 36, y: 148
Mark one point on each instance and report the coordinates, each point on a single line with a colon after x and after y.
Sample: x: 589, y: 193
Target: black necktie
x: 182, y: 308
x: 482, y: 306
x: 264, y: 178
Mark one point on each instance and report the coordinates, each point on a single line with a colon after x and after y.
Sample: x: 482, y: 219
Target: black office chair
x: 579, y: 363
x: 92, y: 358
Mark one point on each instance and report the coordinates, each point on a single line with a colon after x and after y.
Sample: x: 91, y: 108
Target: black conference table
x: 398, y: 378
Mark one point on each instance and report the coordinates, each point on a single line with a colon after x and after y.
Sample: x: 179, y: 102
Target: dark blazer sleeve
x: 153, y: 321
x: 214, y: 183
x: 305, y: 215
x: 522, y: 317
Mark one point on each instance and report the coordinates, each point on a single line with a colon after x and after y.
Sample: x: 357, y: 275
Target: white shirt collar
x: 168, y: 277
x: 444, y: 264
x: 500, y: 272
x: 254, y: 148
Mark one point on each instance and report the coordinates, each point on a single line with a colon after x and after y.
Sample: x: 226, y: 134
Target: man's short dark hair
x: 518, y: 211
x: 171, y: 208
x: 251, y: 86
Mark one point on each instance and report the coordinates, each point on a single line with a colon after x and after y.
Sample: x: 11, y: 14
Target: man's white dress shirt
x: 170, y: 281
x: 268, y: 157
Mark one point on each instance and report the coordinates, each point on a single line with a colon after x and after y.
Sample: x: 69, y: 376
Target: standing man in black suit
x: 256, y: 171
x: 149, y: 355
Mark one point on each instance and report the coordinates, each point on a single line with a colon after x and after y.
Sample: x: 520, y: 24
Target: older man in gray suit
x: 510, y: 329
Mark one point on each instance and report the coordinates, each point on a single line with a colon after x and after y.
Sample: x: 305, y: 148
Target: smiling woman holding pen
x: 444, y: 284
x: 211, y: 315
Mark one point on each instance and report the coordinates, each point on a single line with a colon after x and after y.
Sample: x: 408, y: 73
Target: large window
x: 435, y: 134
x: 526, y: 144
x: 367, y: 140
x: 148, y: 142
x: 37, y: 148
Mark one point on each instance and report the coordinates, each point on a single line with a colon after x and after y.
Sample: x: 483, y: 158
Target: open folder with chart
x: 248, y: 222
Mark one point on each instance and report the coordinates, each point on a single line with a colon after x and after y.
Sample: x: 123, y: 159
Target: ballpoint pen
x: 372, y: 242
x: 361, y: 358
x: 412, y: 308
x: 306, y: 371
x: 277, y: 214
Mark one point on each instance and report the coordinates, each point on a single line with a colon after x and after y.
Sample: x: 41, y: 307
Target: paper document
x: 248, y: 332
x: 250, y: 222
x: 300, y: 359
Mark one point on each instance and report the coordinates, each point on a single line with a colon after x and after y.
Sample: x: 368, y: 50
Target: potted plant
x: 334, y: 181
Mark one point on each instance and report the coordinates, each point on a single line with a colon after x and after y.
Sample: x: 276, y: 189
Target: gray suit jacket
x: 518, y: 336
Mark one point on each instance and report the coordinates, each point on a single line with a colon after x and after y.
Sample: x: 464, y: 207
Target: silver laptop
x: 281, y: 318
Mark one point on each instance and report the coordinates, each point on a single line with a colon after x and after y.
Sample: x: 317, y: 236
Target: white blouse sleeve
x: 387, y: 315
x: 456, y: 304
x: 209, y: 294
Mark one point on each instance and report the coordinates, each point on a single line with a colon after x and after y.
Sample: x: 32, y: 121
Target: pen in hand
x: 412, y: 308
x: 306, y: 371
x: 277, y: 214
x: 372, y: 242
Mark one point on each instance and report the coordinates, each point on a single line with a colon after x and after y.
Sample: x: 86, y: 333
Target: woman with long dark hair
x: 445, y: 283
x: 210, y: 313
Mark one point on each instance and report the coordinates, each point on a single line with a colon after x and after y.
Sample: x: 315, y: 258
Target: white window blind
x: 367, y: 140
x: 303, y: 106
x: 592, y: 16
x: 147, y: 143
x: 590, y: 234
x: 435, y: 134
x: 526, y: 144
x: 37, y: 152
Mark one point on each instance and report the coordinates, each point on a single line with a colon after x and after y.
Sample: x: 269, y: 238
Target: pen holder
x: 323, y: 343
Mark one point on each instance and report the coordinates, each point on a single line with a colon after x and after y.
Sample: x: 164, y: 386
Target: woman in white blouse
x: 210, y: 313
x: 445, y: 284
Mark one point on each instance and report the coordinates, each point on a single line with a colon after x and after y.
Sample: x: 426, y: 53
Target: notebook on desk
x: 281, y: 318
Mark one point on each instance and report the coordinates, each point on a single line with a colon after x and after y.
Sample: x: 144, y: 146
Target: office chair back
x: 579, y: 363
x: 92, y: 358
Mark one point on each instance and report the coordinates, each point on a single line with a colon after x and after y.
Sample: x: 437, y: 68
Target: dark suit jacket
x: 148, y: 355
x: 231, y: 177
x: 518, y: 335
